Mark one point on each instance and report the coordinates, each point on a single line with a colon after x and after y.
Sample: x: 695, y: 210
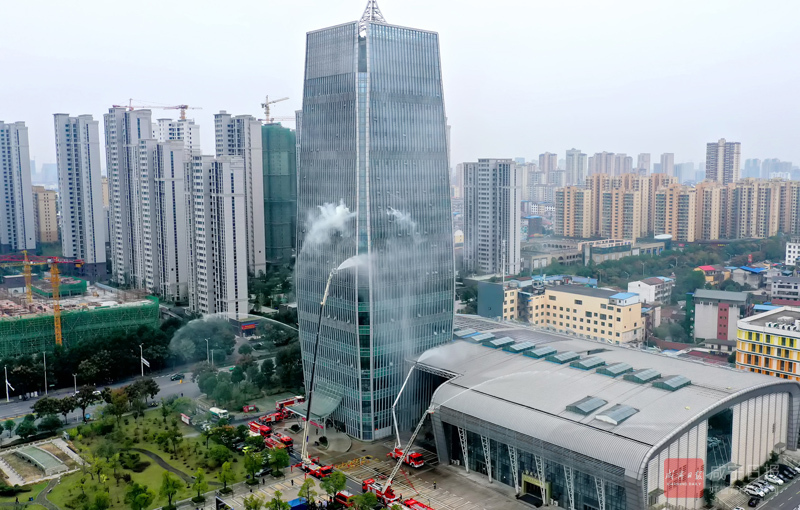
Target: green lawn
x: 23, y: 496
x: 186, y: 461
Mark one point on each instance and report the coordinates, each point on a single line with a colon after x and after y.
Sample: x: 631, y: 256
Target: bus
x: 218, y: 414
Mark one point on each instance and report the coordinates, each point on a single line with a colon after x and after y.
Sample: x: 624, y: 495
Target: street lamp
x: 75, y: 380
x: 208, y: 358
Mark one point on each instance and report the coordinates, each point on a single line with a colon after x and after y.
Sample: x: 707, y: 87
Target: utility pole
x: 5, y: 369
x: 503, y: 266
x: 44, y: 353
x: 75, y: 379
x: 208, y: 358
x: 141, y: 358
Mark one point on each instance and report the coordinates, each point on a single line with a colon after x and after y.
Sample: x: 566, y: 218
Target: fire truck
x: 271, y: 443
x: 384, y: 492
x: 344, y: 498
x: 275, y: 417
x: 413, y: 504
x: 288, y: 441
x: 262, y: 430
x: 280, y: 404
x: 413, y: 459
x: 314, y: 468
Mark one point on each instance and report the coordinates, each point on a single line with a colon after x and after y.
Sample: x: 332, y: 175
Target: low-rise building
x: 753, y: 277
x: 785, y: 290
x: 793, y: 252
x: 769, y: 343
x: 715, y: 274
x: 714, y: 313
x: 654, y: 290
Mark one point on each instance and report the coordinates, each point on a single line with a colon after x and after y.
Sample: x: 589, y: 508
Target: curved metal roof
x: 530, y: 396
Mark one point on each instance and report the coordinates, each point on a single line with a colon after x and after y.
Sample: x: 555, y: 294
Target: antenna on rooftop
x: 371, y: 13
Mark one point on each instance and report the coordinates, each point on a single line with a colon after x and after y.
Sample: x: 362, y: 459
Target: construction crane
x: 267, y: 117
x: 55, y: 280
x: 181, y: 107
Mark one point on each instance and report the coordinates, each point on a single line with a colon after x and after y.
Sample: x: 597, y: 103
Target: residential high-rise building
x: 602, y: 163
x: 752, y: 168
x: 573, y: 216
x: 656, y: 181
x: 182, y: 129
x: 576, y: 168
x: 45, y: 213
x: 623, y: 164
x: 598, y: 183
x: 492, y: 225
x: 722, y: 161
x: 379, y: 205
x: 709, y: 200
x: 163, y: 247
x: 123, y: 130
x: 104, y: 185
x: 217, y: 255
x: 675, y: 212
x: 81, y: 192
x: 548, y: 162
x: 643, y: 163
x: 17, y: 230
x: 241, y: 136
x: 279, y: 148
x: 620, y: 214
x: 668, y: 164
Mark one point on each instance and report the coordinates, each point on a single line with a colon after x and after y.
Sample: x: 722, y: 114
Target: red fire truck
x: 385, y: 494
x: 344, y: 498
x: 271, y: 443
x: 288, y: 441
x: 413, y: 459
x: 413, y: 504
x: 280, y: 404
x: 262, y: 430
x: 315, y: 468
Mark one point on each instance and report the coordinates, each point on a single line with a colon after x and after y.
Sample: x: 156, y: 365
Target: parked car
x: 752, y: 490
x: 177, y: 377
x: 753, y: 502
x: 774, y: 479
x: 766, y: 485
x: 738, y: 508
x: 263, y: 472
x: 784, y: 469
x: 239, y: 447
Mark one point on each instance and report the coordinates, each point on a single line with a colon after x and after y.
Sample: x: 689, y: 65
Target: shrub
x: 198, y: 499
x: 7, y: 490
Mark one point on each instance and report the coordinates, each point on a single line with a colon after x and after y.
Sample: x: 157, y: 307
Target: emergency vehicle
x: 413, y: 459
x: 344, y: 498
x: 385, y: 494
x: 274, y: 417
x: 314, y: 468
x: 288, y: 441
x: 271, y: 443
x: 262, y: 430
x: 413, y: 504
x: 280, y: 404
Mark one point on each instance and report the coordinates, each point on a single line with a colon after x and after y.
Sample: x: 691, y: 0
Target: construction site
x: 37, y: 317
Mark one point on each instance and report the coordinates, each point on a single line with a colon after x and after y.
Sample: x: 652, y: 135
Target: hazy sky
x: 520, y: 77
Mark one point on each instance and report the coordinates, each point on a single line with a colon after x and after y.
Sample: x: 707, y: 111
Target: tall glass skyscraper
x: 373, y: 198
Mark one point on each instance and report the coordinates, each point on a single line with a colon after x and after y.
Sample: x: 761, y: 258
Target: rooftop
x: 721, y: 295
x: 785, y: 279
x: 583, y: 291
x: 788, y: 315
x: 495, y: 386
x: 753, y: 269
x: 656, y: 280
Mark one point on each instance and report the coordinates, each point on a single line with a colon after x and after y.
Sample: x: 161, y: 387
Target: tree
x: 102, y: 501
x: 66, y: 405
x: 106, y: 449
x: 245, y: 350
x: 46, y: 406
x: 49, y: 424
x: 114, y: 464
x: 223, y: 392
x: 253, y: 461
x: 307, y: 490
x: 268, y: 370
x: 333, y: 483
x: 277, y: 503
x: 166, y: 409
x: 219, y: 453
x: 207, y: 383
x: 138, y: 407
x: 26, y: 429
x: 85, y: 398
x: 366, y: 501
x: 290, y: 367
x: 237, y: 375
x: 9, y: 426
x: 253, y: 502
x: 226, y: 475
x: 170, y: 484
x: 146, y: 387
x: 172, y: 436
x: 278, y: 459
x: 118, y: 405
x: 200, y: 484
x: 139, y: 497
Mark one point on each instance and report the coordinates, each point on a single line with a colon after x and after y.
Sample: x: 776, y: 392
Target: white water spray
x: 330, y: 219
x: 403, y: 219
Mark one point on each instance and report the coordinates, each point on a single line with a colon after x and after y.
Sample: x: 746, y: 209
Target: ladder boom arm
x: 408, y: 446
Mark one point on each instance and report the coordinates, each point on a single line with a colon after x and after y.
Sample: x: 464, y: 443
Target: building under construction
x: 87, y: 311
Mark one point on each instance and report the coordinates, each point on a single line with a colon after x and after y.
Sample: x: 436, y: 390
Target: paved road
x: 788, y: 499
x: 17, y: 408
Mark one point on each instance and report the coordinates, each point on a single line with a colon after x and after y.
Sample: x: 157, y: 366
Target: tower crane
x: 181, y: 107
x: 265, y: 105
x: 27, y: 263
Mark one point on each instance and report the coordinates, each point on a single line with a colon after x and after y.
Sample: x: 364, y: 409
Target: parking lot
x: 785, y: 496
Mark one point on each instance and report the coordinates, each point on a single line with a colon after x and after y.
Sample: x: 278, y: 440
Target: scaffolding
x: 33, y: 332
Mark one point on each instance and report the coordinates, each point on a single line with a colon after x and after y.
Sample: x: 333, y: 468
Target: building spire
x: 371, y: 13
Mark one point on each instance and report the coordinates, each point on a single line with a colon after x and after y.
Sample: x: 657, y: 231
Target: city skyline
x: 651, y: 82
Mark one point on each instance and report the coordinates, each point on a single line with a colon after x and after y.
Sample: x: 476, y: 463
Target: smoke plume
x: 330, y: 220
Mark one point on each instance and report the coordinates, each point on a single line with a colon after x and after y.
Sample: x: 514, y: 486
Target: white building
x: 668, y: 163
x: 217, y: 258
x: 124, y: 129
x: 643, y: 163
x: 576, y: 168
x: 492, y: 224
x: 183, y: 129
x: 164, y: 250
x: 241, y: 136
x: 792, y: 252
x: 722, y: 161
x: 83, y: 220
x: 654, y: 290
x: 17, y: 226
